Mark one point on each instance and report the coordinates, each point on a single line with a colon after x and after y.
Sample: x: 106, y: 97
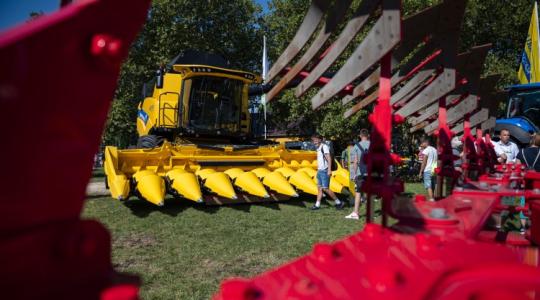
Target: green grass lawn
x: 183, y: 250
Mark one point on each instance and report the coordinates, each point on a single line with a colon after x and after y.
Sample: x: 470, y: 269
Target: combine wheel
x: 150, y: 141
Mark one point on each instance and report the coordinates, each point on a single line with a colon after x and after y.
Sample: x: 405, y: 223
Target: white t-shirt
x: 322, y: 164
x: 510, y: 149
x: 431, y: 154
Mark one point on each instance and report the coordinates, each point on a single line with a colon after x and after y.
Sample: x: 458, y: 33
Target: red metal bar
x: 379, y: 183
x: 58, y: 78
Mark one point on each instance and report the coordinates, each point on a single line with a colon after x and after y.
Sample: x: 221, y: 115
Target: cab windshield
x: 214, y: 103
x: 525, y: 104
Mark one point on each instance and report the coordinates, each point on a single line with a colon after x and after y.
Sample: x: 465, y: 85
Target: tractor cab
x: 196, y: 96
x: 522, y: 112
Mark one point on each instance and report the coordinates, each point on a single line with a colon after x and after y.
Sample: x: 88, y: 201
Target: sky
x: 13, y: 12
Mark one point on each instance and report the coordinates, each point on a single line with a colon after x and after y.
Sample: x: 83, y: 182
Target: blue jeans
x: 323, y: 180
x: 429, y: 180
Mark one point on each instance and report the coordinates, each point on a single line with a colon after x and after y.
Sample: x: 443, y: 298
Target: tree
x: 281, y: 24
x: 501, y: 22
x: 34, y: 15
x: 230, y: 28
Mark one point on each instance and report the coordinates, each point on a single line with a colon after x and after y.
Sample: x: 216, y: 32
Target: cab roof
x: 523, y: 87
x: 202, y: 62
x: 206, y: 69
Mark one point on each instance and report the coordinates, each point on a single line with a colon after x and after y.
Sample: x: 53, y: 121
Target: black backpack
x: 363, y: 151
x: 527, y: 163
x: 332, y: 155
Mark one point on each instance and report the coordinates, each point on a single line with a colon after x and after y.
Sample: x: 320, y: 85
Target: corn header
x: 195, y: 143
x: 215, y: 175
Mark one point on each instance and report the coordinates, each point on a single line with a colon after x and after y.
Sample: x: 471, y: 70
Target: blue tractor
x: 522, y: 113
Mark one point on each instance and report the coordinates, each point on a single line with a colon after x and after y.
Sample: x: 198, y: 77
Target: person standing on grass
x: 530, y: 156
x: 359, y: 171
x: 506, y: 150
x: 346, y: 155
x: 324, y: 171
x: 427, y: 169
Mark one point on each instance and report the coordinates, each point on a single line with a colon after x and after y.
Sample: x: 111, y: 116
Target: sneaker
x: 339, y: 206
x: 315, y: 207
x: 352, y: 216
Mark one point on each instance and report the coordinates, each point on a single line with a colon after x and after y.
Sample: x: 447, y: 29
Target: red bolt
x: 398, y: 119
x: 385, y: 278
x: 240, y: 289
x: 325, y: 252
x: 106, y: 46
x: 306, y: 287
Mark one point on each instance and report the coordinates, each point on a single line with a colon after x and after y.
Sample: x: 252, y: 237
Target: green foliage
x: 501, y: 22
x: 504, y: 24
x: 34, y: 15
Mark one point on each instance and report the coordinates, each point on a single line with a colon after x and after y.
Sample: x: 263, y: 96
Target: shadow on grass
x: 142, y: 209
x: 271, y: 205
x: 210, y: 209
x: 98, y: 173
x: 299, y: 202
x: 244, y: 207
x: 173, y: 207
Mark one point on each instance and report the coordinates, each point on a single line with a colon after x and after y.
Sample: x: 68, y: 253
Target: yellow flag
x: 529, y: 69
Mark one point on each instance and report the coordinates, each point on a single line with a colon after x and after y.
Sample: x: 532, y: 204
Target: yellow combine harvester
x: 195, y: 143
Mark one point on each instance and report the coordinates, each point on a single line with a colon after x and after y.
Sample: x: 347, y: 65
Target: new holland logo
x: 141, y: 114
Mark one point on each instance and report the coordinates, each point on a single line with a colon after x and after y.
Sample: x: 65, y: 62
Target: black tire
x: 149, y: 141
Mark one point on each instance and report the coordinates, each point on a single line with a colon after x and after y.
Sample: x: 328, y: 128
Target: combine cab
x: 195, y: 143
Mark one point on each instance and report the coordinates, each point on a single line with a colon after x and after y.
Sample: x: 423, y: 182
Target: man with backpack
x: 325, y: 165
x: 530, y: 156
x: 358, y: 171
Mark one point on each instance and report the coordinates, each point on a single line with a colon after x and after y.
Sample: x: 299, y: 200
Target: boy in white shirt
x: 427, y: 170
x: 324, y: 171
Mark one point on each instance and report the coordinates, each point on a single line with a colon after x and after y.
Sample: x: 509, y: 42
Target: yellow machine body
x: 215, y: 176
x: 195, y: 143
x: 197, y: 99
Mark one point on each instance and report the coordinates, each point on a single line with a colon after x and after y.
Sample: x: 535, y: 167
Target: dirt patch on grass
x: 247, y: 264
x: 134, y: 241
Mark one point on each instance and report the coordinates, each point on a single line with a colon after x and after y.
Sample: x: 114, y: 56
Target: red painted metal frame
x: 60, y: 72
x: 57, y: 80
x: 375, y: 263
x: 379, y: 159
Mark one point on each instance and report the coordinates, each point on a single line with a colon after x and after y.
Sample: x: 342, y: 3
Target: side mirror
x: 159, y: 78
